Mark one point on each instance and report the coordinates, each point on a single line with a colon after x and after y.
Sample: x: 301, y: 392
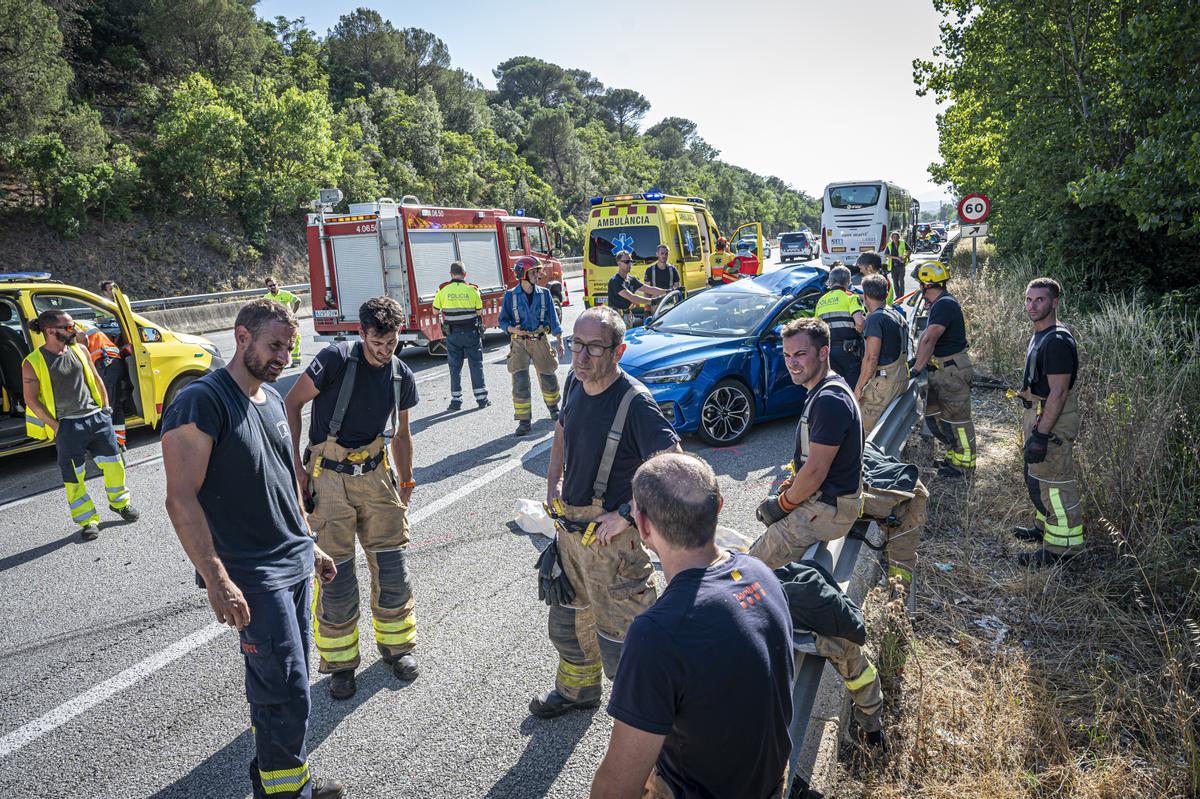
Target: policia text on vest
x: 461, y: 307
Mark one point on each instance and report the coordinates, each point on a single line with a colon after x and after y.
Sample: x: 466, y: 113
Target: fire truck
x: 404, y: 250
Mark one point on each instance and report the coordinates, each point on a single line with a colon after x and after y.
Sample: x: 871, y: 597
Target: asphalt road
x: 116, y: 682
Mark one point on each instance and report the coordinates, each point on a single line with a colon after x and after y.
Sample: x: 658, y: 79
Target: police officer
x: 290, y: 301
x: 66, y: 400
x: 625, y: 290
x: 884, y: 373
x: 109, y: 364
x: 943, y: 350
x: 609, y: 426
x: 1050, y: 425
x: 824, y: 497
x: 361, y: 396
x: 841, y: 310
x: 231, y: 495
x: 527, y: 314
x: 660, y: 274
x: 896, y: 252
x: 461, y: 307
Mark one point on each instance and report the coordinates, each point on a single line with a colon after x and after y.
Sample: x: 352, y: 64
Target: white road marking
x: 88, y: 699
x: 72, y: 708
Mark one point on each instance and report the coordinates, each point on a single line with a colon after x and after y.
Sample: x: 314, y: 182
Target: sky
x: 811, y: 91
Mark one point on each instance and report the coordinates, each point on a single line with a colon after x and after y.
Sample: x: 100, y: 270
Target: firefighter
x: 896, y: 252
x: 720, y: 260
x: 111, y: 367
x: 884, y: 372
x: 461, y: 307
x: 361, y: 395
x: 233, y: 500
x: 660, y: 274
x: 527, y: 314
x: 943, y: 350
x: 610, y: 425
x: 824, y: 497
x: 1050, y: 425
x: 290, y: 301
x: 871, y: 264
x: 841, y: 309
x: 65, y: 400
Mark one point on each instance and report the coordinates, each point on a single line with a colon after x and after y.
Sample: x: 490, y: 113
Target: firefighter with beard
x: 361, y: 395
x: 66, y: 401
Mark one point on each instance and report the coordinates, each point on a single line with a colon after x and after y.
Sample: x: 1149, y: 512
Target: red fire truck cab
x: 404, y: 250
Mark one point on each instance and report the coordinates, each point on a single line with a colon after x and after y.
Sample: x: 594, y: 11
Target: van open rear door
x: 139, y: 369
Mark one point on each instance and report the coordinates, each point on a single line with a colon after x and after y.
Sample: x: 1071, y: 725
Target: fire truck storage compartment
x: 432, y: 251
x: 359, y: 266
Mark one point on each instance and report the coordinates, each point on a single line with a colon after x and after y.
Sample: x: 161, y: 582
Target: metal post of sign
x: 974, y: 244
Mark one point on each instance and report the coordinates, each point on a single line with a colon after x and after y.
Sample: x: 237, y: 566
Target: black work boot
x: 90, y: 532
x: 405, y: 667
x: 485, y: 402
x: 554, y: 412
x: 1044, y: 557
x: 949, y: 472
x: 523, y: 427
x: 455, y: 405
x: 553, y: 704
x: 325, y: 787
x: 128, y: 513
x: 1027, y: 533
x: 342, y: 684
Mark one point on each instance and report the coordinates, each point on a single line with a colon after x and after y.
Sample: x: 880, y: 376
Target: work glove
x: 1036, y: 444
x: 770, y: 510
x: 553, y: 586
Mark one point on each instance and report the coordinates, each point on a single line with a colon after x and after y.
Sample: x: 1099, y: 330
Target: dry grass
x: 1073, y: 682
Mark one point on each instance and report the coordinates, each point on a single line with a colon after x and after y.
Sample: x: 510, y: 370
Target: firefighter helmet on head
x: 933, y: 273
x: 722, y: 243
x: 525, y: 264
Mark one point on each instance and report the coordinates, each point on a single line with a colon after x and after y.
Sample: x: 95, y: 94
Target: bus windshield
x: 854, y: 197
x: 640, y: 242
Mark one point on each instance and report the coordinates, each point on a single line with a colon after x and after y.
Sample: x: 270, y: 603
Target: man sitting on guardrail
x: 702, y: 701
x: 824, y: 497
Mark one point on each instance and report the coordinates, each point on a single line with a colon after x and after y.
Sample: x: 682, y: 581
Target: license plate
x: 325, y: 314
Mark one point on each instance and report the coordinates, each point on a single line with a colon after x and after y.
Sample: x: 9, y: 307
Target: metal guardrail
x: 162, y: 303
x: 840, y: 558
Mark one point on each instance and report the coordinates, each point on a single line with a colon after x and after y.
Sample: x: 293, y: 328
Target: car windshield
x: 718, y: 313
x: 640, y: 242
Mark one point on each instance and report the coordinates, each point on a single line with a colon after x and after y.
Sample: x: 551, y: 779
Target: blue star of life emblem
x: 687, y: 241
x: 622, y: 242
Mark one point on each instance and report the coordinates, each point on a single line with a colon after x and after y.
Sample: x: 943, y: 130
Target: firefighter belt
x: 612, y: 584
x: 365, y: 506
x: 819, y: 518
x: 888, y: 383
x: 535, y: 349
x: 948, y: 408
x: 1051, y: 483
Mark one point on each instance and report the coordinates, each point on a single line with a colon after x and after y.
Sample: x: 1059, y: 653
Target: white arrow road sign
x: 974, y: 231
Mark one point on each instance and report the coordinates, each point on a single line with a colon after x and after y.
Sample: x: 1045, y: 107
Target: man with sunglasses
x: 610, y: 425
x: 66, y: 401
x: 625, y: 290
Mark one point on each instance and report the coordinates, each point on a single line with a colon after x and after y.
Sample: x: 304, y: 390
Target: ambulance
x: 404, y: 250
x: 637, y: 223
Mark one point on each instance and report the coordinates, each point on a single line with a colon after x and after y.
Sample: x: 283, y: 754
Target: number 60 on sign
x: 974, y: 208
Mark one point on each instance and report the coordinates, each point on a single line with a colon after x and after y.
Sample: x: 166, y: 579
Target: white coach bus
x: 858, y: 216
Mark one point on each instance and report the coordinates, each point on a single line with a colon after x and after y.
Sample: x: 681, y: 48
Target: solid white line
x: 88, y: 699
x: 67, y: 711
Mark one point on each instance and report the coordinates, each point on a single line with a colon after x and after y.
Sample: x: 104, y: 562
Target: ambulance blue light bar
x: 653, y: 195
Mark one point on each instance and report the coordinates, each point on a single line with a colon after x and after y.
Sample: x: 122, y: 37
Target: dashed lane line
x: 27, y: 733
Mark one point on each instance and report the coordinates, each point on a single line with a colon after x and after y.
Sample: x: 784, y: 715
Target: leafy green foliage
x: 1078, y: 120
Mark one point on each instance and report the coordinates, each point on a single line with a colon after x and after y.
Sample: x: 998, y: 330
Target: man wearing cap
x: 527, y: 314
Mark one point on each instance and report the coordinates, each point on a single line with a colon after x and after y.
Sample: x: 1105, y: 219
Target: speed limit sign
x: 974, y: 208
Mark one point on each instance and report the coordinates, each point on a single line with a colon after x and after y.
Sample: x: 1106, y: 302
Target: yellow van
x: 638, y: 223
x: 161, y: 364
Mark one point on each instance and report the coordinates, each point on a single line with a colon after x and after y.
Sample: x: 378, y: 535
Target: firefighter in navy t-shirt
x: 823, y: 499
x: 233, y: 499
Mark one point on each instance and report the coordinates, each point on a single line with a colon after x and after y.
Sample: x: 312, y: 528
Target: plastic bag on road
x: 531, y: 517
x: 728, y: 538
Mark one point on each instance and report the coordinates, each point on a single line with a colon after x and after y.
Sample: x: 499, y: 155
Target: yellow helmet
x: 932, y: 273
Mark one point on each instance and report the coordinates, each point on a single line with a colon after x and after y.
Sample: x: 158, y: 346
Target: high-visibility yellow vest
x: 458, y: 301
x: 35, y: 428
x: 837, y: 308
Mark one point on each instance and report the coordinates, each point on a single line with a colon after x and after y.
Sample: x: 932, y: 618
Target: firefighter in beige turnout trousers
x: 825, y: 497
x: 1050, y: 426
x: 528, y: 315
x: 884, y: 374
x: 358, y: 391
x: 609, y: 426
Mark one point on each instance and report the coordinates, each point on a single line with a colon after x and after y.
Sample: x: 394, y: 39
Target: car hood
x: 648, y: 349
x: 188, y: 338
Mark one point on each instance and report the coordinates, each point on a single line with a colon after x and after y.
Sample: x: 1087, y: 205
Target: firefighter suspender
x: 614, y: 440
x: 539, y: 306
x: 834, y: 380
x: 347, y: 389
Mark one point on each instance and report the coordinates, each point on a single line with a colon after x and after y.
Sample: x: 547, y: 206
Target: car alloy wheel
x: 727, y: 414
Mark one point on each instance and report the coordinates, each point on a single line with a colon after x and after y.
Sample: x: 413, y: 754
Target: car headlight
x: 673, y: 374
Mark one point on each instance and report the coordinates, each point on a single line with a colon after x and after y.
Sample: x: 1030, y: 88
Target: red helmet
x: 722, y: 242
x: 524, y: 264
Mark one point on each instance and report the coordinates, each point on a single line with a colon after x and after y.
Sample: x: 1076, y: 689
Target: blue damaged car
x: 714, y: 362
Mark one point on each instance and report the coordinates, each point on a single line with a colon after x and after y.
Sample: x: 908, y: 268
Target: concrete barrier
x: 200, y: 319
